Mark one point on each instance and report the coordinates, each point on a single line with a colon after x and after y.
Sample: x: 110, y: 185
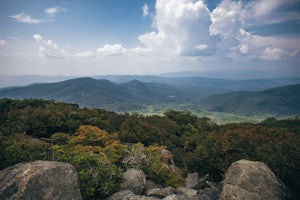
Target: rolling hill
x: 101, y: 93
x: 281, y: 101
x: 187, y: 93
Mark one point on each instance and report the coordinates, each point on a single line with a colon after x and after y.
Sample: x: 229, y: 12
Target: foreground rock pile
x: 244, y: 180
x: 135, y: 186
x: 55, y: 180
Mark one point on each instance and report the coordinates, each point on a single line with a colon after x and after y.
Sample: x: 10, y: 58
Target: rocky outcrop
x: 39, y: 180
x: 252, y: 180
x: 244, y: 180
x: 154, y: 192
x: 134, y: 180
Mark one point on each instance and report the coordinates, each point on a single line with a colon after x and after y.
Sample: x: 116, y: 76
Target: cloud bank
x: 188, y: 29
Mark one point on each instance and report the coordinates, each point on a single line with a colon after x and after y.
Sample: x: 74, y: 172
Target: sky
x: 246, y: 38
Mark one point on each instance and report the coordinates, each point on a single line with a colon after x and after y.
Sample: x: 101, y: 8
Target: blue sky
x: 247, y: 38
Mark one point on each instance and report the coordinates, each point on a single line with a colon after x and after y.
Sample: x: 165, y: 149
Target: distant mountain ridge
x: 101, y: 93
x: 280, y: 101
x: 208, y: 94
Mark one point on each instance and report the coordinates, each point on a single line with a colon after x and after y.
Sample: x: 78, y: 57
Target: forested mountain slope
x: 101, y: 93
x: 281, y: 101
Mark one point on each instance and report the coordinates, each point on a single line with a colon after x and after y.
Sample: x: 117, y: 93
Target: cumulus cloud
x: 187, y: 28
x: 181, y: 25
x: 229, y: 23
x: 48, y: 48
x: 226, y: 18
x: 24, y: 18
x: 145, y: 9
x: 112, y: 50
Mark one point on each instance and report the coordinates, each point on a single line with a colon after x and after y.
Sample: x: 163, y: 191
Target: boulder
x: 39, y: 180
x: 123, y: 194
x: 128, y: 195
x: 161, y: 192
x: 193, y: 182
x: 252, y: 180
x: 134, y: 180
x: 191, y: 193
x: 176, y: 197
x: 212, y: 192
x: 141, y: 197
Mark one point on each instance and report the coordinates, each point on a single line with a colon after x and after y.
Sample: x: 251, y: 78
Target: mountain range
x: 279, y: 97
x: 277, y: 101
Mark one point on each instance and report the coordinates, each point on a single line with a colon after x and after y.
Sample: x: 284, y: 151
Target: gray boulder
x: 141, y: 197
x: 134, y: 180
x: 191, y: 193
x: 212, y: 192
x: 176, y: 197
x: 192, y: 181
x: 252, y: 180
x: 123, y: 194
x: 128, y: 195
x: 161, y: 192
x: 39, y: 180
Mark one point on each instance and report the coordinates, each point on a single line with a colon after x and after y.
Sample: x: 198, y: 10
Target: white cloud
x: 261, y: 12
x: 272, y: 53
x: 266, y: 47
x: 111, y: 50
x: 243, y: 49
x: 114, y: 50
x: 229, y: 21
x: 259, y: 8
x: 225, y: 18
x: 2, y: 42
x: 180, y: 26
x: 54, y: 10
x: 186, y: 29
x: 38, y: 38
x: 145, y: 9
x: 48, y: 48
x: 24, y: 18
